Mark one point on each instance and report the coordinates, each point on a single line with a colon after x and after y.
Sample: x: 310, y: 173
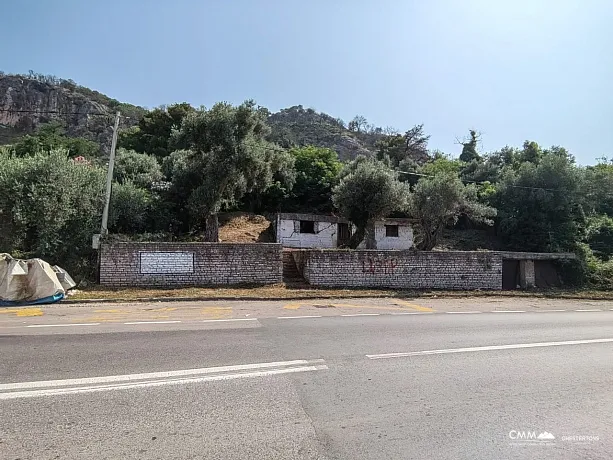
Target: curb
x: 298, y: 297
x: 197, y: 299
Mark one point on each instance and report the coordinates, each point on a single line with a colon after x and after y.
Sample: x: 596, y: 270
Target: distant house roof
x: 311, y: 217
x: 337, y: 219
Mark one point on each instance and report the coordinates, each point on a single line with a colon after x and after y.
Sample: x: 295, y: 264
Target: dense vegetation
x: 181, y: 166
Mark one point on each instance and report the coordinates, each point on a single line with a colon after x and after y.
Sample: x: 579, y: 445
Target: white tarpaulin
x: 31, y: 281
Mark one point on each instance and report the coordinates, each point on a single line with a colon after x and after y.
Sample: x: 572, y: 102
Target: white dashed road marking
x: 63, y: 325
x: 298, y: 317
x: 151, y: 322
x: 462, y: 312
x: 363, y: 314
x: 227, y: 320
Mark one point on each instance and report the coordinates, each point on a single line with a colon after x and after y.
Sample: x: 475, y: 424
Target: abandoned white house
x: 319, y: 231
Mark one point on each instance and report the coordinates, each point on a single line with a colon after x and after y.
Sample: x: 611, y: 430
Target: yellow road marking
x: 412, y: 305
x: 217, y: 312
x: 23, y: 311
x: 297, y: 305
x: 370, y: 307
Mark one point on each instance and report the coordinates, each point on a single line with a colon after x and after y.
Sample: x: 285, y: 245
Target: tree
x: 412, y: 145
x: 539, y: 205
x: 317, y: 171
x: 154, y: 130
x: 51, y: 136
x: 129, y: 208
x: 50, y: 206
x: 531, y: 153
x: 597, y: 188
x: 599, y: 236
x: 469, y: 148
x: 139, y: 168
x: 226, y: 157
x: 368, y: 191
x: 439, y: 201
x: 272, y: 197
x: 358, y: 124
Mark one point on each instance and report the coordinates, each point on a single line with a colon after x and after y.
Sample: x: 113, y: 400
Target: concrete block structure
x: 319, y: 231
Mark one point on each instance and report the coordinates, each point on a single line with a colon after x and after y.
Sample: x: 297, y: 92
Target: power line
x: 57, y: 112
x: 275, y: 149
x: 484, y: 182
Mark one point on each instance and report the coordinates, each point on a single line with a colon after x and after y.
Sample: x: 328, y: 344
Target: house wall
x: 403, y: 241
x: 189, y: 264
x: 288, y: 234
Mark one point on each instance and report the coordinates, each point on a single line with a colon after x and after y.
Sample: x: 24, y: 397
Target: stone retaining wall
x: 402, y: 269
x: 189, y: 264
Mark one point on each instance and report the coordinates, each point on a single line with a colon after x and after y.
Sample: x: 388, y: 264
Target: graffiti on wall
x: 378, y: 266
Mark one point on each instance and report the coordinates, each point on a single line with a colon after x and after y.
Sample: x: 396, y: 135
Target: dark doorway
x: 344, y: 234
x: 510, y: 274
x: 546, y: 274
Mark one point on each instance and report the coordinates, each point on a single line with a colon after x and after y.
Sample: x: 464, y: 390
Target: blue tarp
x: 50, y: 299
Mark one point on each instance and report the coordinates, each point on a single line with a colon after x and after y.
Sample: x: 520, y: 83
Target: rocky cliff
x: 26, y: 102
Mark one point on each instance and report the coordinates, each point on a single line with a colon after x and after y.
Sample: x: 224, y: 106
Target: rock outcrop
x: 26, y: 103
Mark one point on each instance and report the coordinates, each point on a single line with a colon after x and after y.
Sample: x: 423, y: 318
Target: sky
x: 511, y: 69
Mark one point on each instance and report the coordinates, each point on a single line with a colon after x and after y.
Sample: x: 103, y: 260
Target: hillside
x: 299, y: 126
x: 28, y: 101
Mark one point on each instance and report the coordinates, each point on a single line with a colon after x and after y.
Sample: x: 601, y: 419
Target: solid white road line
x: 508, y: 311
x: 152, y: 322
x: 227, y: 320
x: 157, y: 375
x: 590, y: 309
x: 363, y: 314
x: 156, y: 383
x: 463, y: 312
x: 298, y: 317
x: 64, y: 325
x: 546, y: 311
x: 488, y: 348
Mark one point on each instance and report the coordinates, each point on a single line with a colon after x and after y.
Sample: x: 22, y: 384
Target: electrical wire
x: 271, y: 148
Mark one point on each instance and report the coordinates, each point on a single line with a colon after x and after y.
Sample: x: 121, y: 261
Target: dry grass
x: 244, y: 228
x: 281, y: 291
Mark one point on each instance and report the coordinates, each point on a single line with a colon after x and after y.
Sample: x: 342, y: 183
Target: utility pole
x: 109, y: 179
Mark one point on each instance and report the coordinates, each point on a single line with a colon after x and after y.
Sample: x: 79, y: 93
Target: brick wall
x: 402, y: 269
x: 189, y: 264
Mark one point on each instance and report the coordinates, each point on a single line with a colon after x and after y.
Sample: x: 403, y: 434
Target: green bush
x: 49, y: 208
x: 599, y: 236
x: 129, y: 210
x: 141, y: 169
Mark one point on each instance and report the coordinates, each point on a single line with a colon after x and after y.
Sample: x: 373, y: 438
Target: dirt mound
x: 245, y: 228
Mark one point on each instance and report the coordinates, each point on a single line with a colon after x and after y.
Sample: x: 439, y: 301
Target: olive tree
x: 439, y: 201
x: 225, y: 156
x: 368, y: 190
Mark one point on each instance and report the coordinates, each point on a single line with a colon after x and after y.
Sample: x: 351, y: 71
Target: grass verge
x: 282, y: 291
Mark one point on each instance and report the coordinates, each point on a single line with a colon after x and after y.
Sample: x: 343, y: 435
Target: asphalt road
x: 418, y: 386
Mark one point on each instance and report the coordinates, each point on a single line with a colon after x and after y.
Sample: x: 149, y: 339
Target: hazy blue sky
x: 514, y: 70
